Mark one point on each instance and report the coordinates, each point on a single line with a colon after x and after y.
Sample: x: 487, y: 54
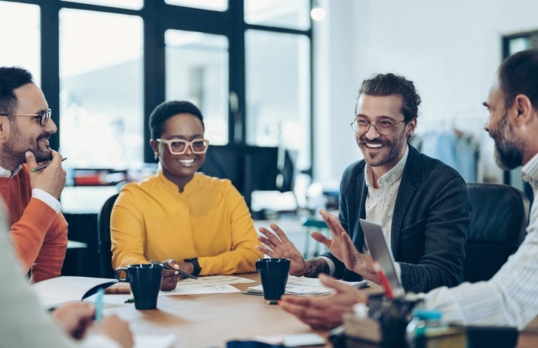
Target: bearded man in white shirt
x: 509, y: 298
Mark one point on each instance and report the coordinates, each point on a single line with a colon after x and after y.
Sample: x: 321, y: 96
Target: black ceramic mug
x: 145, y: 280
x: 274, y: 276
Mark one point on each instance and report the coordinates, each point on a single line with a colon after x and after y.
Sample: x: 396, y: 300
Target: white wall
x: 450, y: 49
x: 335, y: 85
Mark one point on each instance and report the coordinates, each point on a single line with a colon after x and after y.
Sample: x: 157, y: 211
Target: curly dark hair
x: 383, y: 85
x: 163, y: 111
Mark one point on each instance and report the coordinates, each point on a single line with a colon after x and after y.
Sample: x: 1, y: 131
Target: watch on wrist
x: 197, y: 268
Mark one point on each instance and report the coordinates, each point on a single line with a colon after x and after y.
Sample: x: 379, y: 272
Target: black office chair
x: 500, y: 217
x: 103, y: 236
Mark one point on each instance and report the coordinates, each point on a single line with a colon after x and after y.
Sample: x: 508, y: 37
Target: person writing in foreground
x: 39, y: 230
x: 24, y: 324
x: 509, y: 298
x: 196, y: 223
x: 421, y: 203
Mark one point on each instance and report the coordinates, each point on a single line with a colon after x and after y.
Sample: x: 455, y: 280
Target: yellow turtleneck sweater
x: 152, y: 220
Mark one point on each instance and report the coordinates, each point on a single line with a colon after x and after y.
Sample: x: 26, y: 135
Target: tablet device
x: 381, y: 252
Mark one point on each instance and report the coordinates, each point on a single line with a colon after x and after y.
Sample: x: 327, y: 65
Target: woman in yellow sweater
x: 194, y: 222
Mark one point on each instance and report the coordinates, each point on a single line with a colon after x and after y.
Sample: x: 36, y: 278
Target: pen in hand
x: 99, y: 305
x: 178, y: 271
x: 41, y: 167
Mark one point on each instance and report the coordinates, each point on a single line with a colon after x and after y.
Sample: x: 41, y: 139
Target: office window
x: 101, y: 89
x: 292, y: 14
x: 20, y: 40
x: 216, y: 5
x: 197, y: 71
x: 519, y: 44
x: 129, y: 4
x: 278, y: 92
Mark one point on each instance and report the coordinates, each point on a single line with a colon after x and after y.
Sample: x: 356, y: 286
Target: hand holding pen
x: 51, y: 180
x: 75, y: 318
x: 167, y: 266
x: 41, y: 167
x: 171, y: 274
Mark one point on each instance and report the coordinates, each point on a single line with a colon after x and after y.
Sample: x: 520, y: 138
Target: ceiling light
x: 318, y: 13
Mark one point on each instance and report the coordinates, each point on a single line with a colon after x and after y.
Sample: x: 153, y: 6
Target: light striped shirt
x: 510, y: 298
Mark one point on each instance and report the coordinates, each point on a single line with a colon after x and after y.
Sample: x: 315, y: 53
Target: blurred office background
x: 265, y: 75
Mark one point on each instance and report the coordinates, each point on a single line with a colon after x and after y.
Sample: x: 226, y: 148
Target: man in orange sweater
x: 38, y: 230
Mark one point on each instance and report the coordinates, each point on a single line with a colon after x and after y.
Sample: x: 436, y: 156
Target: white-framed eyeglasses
x: 383, y: 127
x: 179, y: 146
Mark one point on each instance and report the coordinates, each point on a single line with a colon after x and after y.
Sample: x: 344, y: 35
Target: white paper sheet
x: 303, y: 286
x: 55, y: 291
x: 206, y: 285
x: 213, y: 280
x: 197, y: 289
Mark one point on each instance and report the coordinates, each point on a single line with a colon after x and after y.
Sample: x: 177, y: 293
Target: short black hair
x: 518, y: 74
x: 167, y: 109
x: 12, y: 78
x: 383, y: 85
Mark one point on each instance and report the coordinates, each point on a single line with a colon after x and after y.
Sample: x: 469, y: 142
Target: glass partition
x: 20, y: 40
x: 216, y: 5
x: 129, y: 4
x: 197, y: 71
x: 278, y: 92
x: 101, y: 89
x: 293, y: 14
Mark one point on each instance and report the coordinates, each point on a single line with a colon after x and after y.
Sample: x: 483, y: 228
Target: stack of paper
x: 207, y: 285
x: 302, y: 286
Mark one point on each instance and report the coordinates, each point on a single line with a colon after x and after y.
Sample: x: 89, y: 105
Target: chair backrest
x: 499, y: 219
x: 103, y: 235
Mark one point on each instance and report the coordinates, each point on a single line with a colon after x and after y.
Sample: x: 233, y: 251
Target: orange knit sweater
x: 38, y: 234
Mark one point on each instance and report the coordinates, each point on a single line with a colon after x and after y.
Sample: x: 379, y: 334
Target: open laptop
x: 381, y: 252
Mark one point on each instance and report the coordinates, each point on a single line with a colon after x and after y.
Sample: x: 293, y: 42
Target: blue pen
x: 99, y: 304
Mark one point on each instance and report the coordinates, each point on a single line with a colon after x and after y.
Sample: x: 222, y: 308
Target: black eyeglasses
x: 43, y: 116
x: 383, y: 127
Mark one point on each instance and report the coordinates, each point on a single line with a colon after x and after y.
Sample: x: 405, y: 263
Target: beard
x: 508, y: 152
x: 42, y: 153
x: 383, y: 157
x: 15, y: 147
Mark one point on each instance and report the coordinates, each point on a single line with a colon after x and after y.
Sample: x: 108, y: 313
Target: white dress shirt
x: 44, y: 196
x: 510, y: 297
x: 380, y: 202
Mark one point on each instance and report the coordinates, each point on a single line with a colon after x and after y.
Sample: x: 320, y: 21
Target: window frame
x: 158, y: 17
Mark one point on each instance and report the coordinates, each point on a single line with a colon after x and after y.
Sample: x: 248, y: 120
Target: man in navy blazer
x: 421, y: 203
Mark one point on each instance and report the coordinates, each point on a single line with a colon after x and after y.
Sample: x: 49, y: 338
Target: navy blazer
x: 429, y: 224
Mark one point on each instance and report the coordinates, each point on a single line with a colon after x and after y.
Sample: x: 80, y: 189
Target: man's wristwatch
x: 197, y: 268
